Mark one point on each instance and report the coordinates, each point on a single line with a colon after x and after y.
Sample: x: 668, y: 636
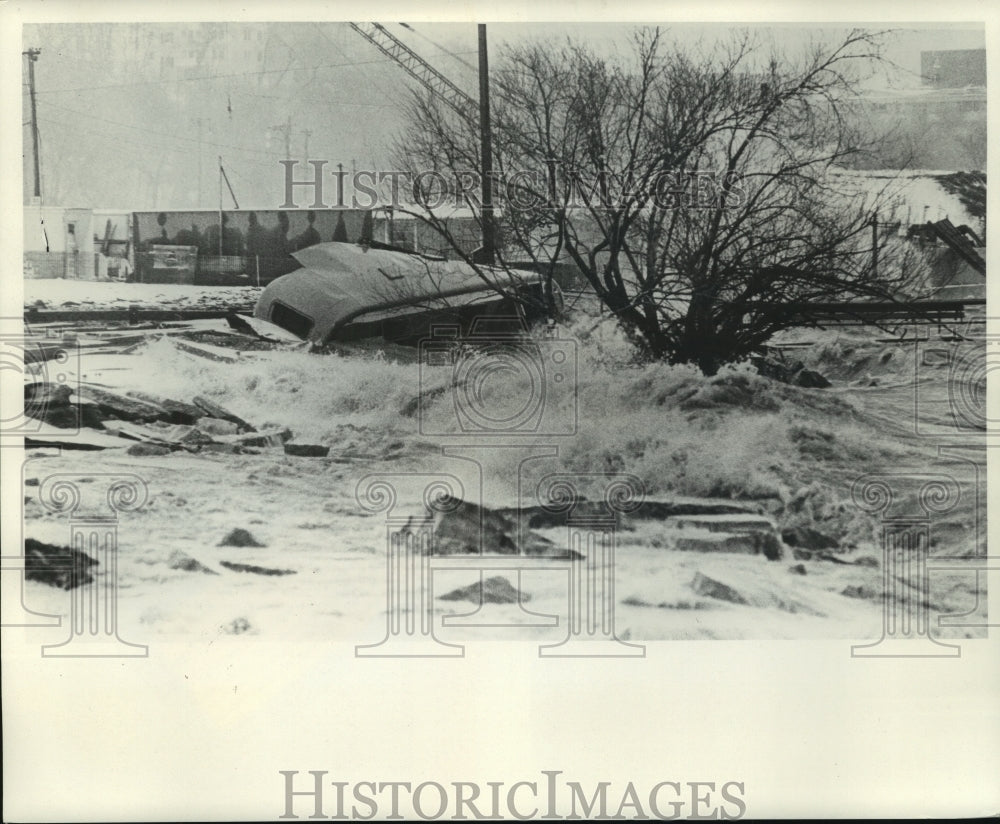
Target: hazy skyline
x: 131, y: 117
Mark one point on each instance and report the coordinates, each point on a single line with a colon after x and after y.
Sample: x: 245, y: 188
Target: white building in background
x: 77, y: 243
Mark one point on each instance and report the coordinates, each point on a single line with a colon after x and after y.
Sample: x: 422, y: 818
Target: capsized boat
x: 345, y: 291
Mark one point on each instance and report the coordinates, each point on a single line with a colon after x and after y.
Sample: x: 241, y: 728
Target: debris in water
x: 241, y: 537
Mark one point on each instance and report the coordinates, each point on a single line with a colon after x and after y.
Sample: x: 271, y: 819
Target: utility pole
x: 488, y: 252
x: 198, y: 121
x: 286, y: 131
x: 32, y: 55
x: 221, y: 224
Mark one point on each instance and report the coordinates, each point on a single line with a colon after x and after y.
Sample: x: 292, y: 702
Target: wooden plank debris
x: 205, y: 350
x: 75, y: 439
x: 122, y: 406
x: 265, y: 330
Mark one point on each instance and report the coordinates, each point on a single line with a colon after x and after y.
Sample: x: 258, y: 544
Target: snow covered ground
x: 789, y: 453
x: 96, y: 294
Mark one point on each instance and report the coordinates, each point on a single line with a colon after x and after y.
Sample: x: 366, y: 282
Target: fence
x: 75, y: 265
x: 156, y: 267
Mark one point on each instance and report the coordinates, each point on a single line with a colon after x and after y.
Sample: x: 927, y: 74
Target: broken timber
x: 132, y: 315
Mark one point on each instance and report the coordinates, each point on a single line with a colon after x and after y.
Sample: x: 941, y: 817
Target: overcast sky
x: 139, y: 138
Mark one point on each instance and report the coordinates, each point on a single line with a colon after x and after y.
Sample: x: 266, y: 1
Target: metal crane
x: 438, y: 84
x: 417, y: 67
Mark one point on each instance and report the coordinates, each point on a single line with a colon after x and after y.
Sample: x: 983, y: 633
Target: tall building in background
x: 953, y: 69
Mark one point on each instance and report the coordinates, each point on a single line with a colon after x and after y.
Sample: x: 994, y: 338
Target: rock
x: 122, y: 406
x: 236, y: 627
x: 90, y: 413
x: 178, y: 560
x: 770, y: 546
x: 257, y: 570
x: 750, y: 543
x: 307, y: 450
x: 177, y: 411
x: 221, y: 448
x: 146, y: 450
x: 637, y: 601
x: 860, y: 591
x: 797, y: 569
x: 54, y: 405
x: 811, y: 379
x: 535, y: 517
x: 710, y: 588
x: 183, y: 434
x: 58, y: 566
x: 776, y: 368
x: 240, y: 537
x: 73, y: 416
x: 495, y: 590
x: 457, y: 532
x: 742, y: 523
x: 795, y: 373
x: 216, y: 411
x: 61, y: 416
x: 272, y: 437
x: 819, y: 555
x: 45, y: 394
x: 217, y: 426
x: 869, y: 561
x: 805, y: 537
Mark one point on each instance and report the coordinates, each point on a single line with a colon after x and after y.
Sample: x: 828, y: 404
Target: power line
x: 461, y: 60
x: 210, y: 77
x: 158, y: 132
x: 146, y: 146
x: 336, y: 46
x: 299, y: 98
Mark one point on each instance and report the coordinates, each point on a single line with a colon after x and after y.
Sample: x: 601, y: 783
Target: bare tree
x: 690, y: 189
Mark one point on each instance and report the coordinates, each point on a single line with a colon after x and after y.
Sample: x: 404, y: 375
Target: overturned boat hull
x: 348, y: 292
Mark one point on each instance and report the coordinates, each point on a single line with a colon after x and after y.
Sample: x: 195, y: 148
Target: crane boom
x: 418, y: 68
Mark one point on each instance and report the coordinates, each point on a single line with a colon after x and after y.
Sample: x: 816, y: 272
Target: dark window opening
x: 290, y: 320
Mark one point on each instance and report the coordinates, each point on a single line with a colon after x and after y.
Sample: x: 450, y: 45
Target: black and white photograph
x: 527, y: 413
